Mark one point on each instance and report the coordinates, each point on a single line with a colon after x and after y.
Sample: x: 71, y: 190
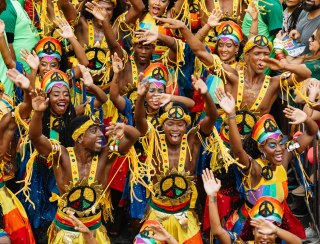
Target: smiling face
x: 274, y: 150
x: 262, y: 238
x: 158, y: 7
x: 143, y: 53
x: 47, y: 65
x: 227, y: 50
x: 59, y: 98
x: 92, y: 139
x: 254, y: 59
x: 174, y: 131
x: 154, y: 104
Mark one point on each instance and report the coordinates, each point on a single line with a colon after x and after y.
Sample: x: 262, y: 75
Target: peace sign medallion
x: 173, y: 186
x: 266, y: 209
x: 49, y: 48
x: 266, y: 172
x: 81, y: 198
x: 158, y: 73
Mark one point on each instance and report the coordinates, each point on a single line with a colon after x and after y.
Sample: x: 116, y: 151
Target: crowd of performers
x: 180, y: 117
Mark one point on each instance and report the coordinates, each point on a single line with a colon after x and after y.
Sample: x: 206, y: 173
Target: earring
x: 263, y: 156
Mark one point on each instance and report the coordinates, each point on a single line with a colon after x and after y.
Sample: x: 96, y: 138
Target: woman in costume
x: 265, y: 178
x: 264, y: 230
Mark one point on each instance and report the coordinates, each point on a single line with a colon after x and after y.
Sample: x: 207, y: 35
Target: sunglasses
x: 313, y: 38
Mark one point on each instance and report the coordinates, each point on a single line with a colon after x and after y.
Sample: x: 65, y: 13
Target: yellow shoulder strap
x: 261, y: 94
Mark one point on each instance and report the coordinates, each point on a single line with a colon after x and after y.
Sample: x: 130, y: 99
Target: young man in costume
x: 173, y: 156
x: 81, y: 171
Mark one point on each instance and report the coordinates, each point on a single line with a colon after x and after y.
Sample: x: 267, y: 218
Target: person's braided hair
x: 293, y: 18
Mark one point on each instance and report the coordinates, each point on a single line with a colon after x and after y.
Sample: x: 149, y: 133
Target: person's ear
x: 80, y: 139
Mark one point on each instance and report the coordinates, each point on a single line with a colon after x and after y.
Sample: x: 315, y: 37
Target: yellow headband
x: 82, y: 129
x: 257, y: 41
x: 175, y: 113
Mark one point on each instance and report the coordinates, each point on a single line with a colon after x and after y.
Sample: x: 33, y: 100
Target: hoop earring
x: 263, y: 156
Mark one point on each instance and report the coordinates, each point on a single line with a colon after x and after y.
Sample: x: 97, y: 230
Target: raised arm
x: 69, y: 11
x: 95, y: 9
x: 207, y: 123
x: 140, y: 111
x: 212, y: 185
x: 118, y: 101
x: 4, y: 49
x: 297, y: 116
x: 227, y: 103
x: 299, y: 71
x: 254, y: 13
x: 213, y: 21
x: 134, y: 12
x: 101, y: 96
x: 67, y: 33
x: 24, y: 83
x: 176, y: 8
x: 164, y: 99
x: 39, y: 104
x: 33, y: 61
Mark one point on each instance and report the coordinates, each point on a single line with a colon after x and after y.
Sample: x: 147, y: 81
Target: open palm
x: 211, y: 184
x: 225, y: 100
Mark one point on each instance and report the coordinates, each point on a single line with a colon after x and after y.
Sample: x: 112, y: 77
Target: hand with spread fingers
x: 31, y: 59
x: 115, y: 130
x: 225, y: 100
x: 211, y: 184
x: 159, y: 233
x: 39, y: 100
x: 18, y: 79
x: 273, y: 64
x: 199, y: 85
x: 65, y: 28
x: 146, y: 36
x: 214, y: 18
x: 253, y: 11
x: 171, y: 23
x: 117, y: 63
x: 264, y: 226
x: 96, y: 10
x: 296, y: 115
x: 313, y: 87
x: 143, y: 85
x: 162, y: 98
x: 86, y: 76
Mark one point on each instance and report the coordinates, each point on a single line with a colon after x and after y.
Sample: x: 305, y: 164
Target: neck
x: 151, y: 111
x: 230, y: 61
x: 252, y: 77
x: 97, y: 24
x: 313, y: 14
x: 83, y: 155
x: 175, y: 147
x: 291, y: 9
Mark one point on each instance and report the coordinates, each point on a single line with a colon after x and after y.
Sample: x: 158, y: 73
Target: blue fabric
x: 127, y: 112
x: 137, y: 207
x: 43, y: 183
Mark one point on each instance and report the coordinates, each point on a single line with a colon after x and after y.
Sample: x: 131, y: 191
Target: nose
x: 224, y: 48
x: 99, y: 133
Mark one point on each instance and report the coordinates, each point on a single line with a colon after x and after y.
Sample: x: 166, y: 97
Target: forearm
x: 211, y: 110
x: 68, y: 10
x: 311, y: 127
x: 139, y: 116
x: 185, y: 100
x: 6, y: 54
x: 197, y: 47
x: 300, y: 71
x: 234, y: 135
x: 89, y: 238
x: 253, y: 29
x: 203, y: 32
x: 26, y: 106
x: 113, y: 45
x: 32, y: 76
x: 136, y: 9
x: 215, y: 224
x: 100, y: 95
x: 168, y: 41
x: 79, y: 51
x: 35, y: 128
x: 115, y: 96
x: 209, y: 5
x: 287, y: 236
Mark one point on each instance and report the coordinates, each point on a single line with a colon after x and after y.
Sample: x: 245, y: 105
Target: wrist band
x: 280, y: 56
x: 232, y: 116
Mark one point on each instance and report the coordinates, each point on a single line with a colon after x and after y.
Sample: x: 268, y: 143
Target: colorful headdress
x: 54, y: 78
x: 49, y: 47
x: 145, y: 235
x: 267, y: 208
x: 175, y: 113
x: 230, y: 30
x: 257, y: 41
x: 82, y: 124
x: 266, y: 128
x: 157, y: 73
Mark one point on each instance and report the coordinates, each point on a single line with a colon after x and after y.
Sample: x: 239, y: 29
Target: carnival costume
x: 14, y: 217
x: 40, y: 210
x: 268, y: 197
x: 174, y: 191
